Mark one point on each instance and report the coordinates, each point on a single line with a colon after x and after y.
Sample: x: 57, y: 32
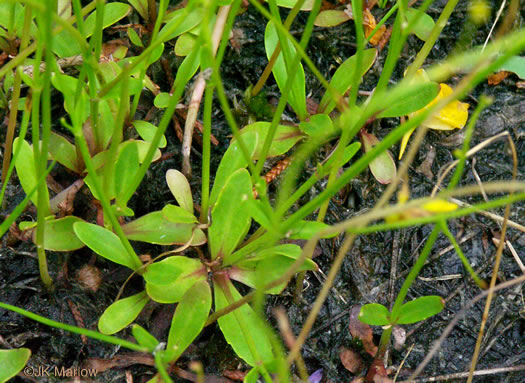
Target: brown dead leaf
x: 377, y: 370
x: 496, y: 78
x: 369, y: 22
x: 362, y: 331
x: 121, y: 361
x: 351, y: 360
x: 358, y: 380
x: 234, y: 374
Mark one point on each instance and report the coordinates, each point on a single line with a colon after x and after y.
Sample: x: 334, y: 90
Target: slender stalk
x: 206, y: 153
x: 286, y: 91
x: 75, y: 330
x: 15, y: 96
x: 484, y: 101
x: 348, y: 132
x: 434, y: 35
x: 268, y: 69
x: 444, y: 228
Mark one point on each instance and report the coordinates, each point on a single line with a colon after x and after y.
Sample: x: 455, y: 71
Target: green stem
x: 444, y: 228
x: 286, y: 91
x: 206, y: 152
x: 104, y: 201
x: 462, y: 155
x: 434, y: 35
x: 75, y: 330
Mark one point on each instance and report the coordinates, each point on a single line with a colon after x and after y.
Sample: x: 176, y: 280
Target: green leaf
x: 343, y: 76
x: 284, y: 138
x: 59, y: 234
x: 141, y: 6
x: 121, y: 313
x: 113, y: 12
x: 12, y: 362
x: 189, y: 318
x: 307, y: 229
x: 144, y: 338
x: 331, y: 18
x: 383, y: 166
x: 188, y: 67
x: 319, y: 126
x: 269, y: 269
x: 156, y: 228
x: 374, y: 314
x: 169, y: 269
x: 420, y: 96
x: 516, y: 65
x: 25, y: 168
x: 167, y: 281
x: 419, y: 309
x: 297, y: 97
x: 185, y: 44
x: 172, y: 19
x: 231, y: 328
x: 64, y: 152
x: 65, y: 45
x: 126, y: 166
x: 134, y: 37
x: 104, y: 243
x: 180, y: 188
x: 16, y: 18
x: 307, y: 5
x: 109, y: 71
x: 162, y: 100
x: 423, y: 26
x: 178, y: 215
x: 232, y: 160
x: 147, y: 130
x: 230, y: 216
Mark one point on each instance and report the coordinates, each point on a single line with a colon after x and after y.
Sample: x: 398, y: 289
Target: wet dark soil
x: 366, y: 272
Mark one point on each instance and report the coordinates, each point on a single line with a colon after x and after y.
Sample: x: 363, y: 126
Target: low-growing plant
x: 218, y: 246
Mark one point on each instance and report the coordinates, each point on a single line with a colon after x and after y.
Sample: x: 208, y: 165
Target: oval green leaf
x: 383, y: 166
x: 189, y: 318
x: 104, y: 243
x: 147, y: 130
x: 331, y: 18
x: 144, y: 338
x: 343, y: 76
x: 25, y: 168
x: 180, y: 188
x: 121, y: 313
x: 177, y: 214
x: 60, y: 235
x: 424, y: 24
x: 156, y: 228
x: 231, y: 328
x: 169, y: 269
x: 12, y: 362
x: 185, y: 44
x: 230, y: 216
x: 421, y: 95
x: 420, y: 309
x: 64, y: 152
x: 374, y: 314
x: 126, y: 166
x: 284, y: 138
x: 233, y: 160
x: 297, y: 97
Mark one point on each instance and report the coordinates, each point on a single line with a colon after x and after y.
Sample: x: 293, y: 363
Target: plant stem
x: 74, y: 329
x: 431, y: 40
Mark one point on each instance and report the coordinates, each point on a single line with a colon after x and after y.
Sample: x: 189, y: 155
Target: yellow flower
x: 452, y: 116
